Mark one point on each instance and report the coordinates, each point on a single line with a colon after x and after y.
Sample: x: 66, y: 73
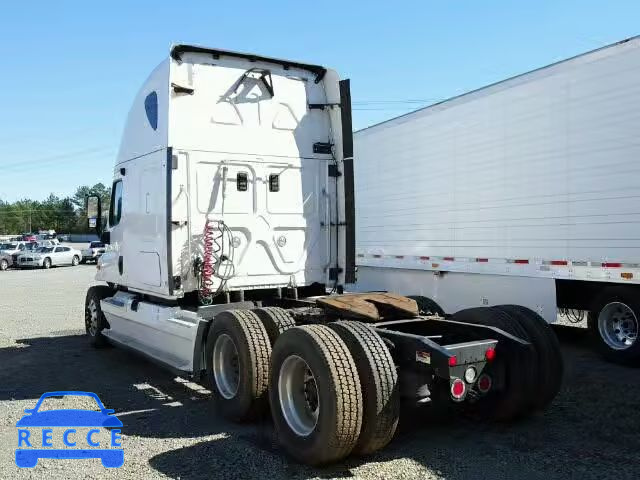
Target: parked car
x: 63, y: 238
x: 5, y: 261
x: 29, y: 237
x: 93, y: 253
x: 15, y: 249
x: 47, y: 257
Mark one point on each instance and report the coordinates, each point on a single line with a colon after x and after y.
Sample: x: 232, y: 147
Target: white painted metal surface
x: 542, y: 167
x: 167, y: 334
x: 221, y: 125
x: 535, y: 176
x: 456, y: 291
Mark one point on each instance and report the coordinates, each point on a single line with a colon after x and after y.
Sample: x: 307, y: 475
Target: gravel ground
x: 592, y: 430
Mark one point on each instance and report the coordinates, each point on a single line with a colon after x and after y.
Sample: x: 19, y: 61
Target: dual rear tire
x: 332, y: 389
x: 527, y: 378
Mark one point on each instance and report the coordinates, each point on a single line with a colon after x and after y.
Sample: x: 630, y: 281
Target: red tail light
x: 490, y: 354
x: 453, y: 361
x: 457, y: 389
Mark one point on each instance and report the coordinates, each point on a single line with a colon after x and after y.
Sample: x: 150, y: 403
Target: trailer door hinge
x: 334, y: 272
x: 322, y: 106
x: 333, y: 171
x: 322, y: 147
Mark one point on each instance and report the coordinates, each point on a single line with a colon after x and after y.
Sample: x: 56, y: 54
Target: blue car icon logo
x: 35, y: 431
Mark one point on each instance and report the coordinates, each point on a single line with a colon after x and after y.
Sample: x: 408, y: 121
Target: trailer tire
x: 426, y: 306
x: 379, y: 382
x: 275, y: 320
x: 324, y: 423
x: 623, y: 305
x: 237, y: 364
x: 94, y: 319
x: 547, y: 348
x: 517, y: 364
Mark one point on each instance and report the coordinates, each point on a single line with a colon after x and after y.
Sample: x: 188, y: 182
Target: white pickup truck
x: 93, y: 252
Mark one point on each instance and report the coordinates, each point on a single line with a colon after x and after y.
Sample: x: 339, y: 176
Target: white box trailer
x: 524, y: 192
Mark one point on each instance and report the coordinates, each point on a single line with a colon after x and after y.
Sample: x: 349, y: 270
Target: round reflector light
x: 484, y: 383
x: 490, y: 354
x: 457, y: 389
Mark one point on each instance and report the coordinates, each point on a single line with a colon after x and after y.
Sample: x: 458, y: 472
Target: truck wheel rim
x: 93, y: 318
x: 226, y: 371
x: 618, y: 325
x: 299, y: 396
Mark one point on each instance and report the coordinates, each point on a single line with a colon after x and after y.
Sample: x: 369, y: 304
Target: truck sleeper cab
x: 231, y: 235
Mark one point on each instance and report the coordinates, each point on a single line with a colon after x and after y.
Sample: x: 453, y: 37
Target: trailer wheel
x: 379, y: 381
x: 514, y: 367
x: 614, y: 322
x: 316, y: 399
x: 426, y: 306
x: 94, y: 319
x: 237, y: 355
x: 275, y: 320
x: 548, y: 353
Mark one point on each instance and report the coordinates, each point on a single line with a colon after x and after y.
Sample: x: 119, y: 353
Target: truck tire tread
x: 379, y: 381
x: 275, y: 320
x: 254, y: 352
x: 549, y: 354
x: 427, y: 306
x: 97, y: 293
x: 334, y: 437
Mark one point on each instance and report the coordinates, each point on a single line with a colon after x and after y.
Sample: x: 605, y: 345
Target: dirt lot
x: 592, y: 429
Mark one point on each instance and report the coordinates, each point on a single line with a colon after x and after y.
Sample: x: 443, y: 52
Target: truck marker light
x: 453, y: 361
x: 490, y: 354
x: 449, y: 259
x: 559, y: 262
x: 521, y: 261
x: 484, y: 383
x: 482, y: 260
x: 458, y: 389
x: 627, y: 275
x: 611, y: 265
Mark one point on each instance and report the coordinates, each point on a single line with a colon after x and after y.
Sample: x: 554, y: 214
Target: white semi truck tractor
x: 231, y: 236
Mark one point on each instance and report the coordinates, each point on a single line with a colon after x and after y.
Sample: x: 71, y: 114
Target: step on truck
x: 524, y: 191
x: 231, y: 236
